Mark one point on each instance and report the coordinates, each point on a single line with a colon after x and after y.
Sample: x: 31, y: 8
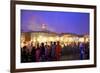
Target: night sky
x: 60, y: 22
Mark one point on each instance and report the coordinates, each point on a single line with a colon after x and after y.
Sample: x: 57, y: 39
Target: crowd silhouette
x: 42, y: 52
x: 30, y: 53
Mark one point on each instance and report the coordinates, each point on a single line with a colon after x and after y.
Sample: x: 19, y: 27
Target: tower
x: 44, y: 27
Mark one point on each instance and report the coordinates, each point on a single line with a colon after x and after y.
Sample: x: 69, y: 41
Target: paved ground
x: 70, y: 57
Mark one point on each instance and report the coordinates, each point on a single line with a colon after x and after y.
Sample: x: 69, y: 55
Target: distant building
x: 45, y: 35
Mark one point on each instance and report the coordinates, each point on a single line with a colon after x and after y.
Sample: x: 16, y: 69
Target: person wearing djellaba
x: 81, y: 46
x: 58, y: 51
x: 37, y: 53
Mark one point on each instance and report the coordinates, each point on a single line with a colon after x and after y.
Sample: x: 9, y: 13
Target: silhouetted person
x: 58, y: 51
x: 53, y: 51
x: 37, y: 53
x: 24, y: 56
x: 42, y: 52
x: 33, y: 54
x: 81, y: 46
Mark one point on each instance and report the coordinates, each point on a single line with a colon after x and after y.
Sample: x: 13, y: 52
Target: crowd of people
x: 77, y: 51
x: 44, y: 52
x: 41, y: 52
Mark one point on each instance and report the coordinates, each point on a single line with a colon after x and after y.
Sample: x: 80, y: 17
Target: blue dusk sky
x: 59, y: 22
